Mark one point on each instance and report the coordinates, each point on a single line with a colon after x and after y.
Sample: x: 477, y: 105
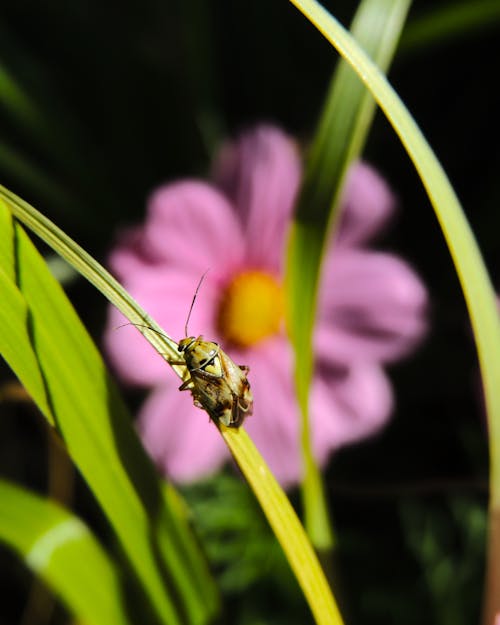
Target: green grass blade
x: 271, y: 497
x: 95, y: 273
x: 475, y: 281
x: 62, y: 551
x: 445, y: 23
x: 286, y: 526
x: 15, y: 341
x: 60, y: 367
x: 339, y: 139
x: 476, y: 285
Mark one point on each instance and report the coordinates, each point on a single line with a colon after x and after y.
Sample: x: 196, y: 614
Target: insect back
x: 217, y: 384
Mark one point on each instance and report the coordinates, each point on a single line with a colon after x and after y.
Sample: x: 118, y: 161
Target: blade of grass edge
x: 474, y: 279
x: 341, y: 134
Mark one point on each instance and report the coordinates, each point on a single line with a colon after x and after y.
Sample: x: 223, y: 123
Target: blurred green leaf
x: 60, y: 548
x: 447, y: 539
x: 239, y: 543
x: 444, y: 23
x: 45, y: 343
x: 475, y: 281
x: 339, y: 139
x: 21, y: 108
x: 21, y: 169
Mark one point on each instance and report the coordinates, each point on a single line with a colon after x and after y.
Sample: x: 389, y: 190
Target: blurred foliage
x: 248, y: 562
x: 100, y: 102
x: 448, y: 543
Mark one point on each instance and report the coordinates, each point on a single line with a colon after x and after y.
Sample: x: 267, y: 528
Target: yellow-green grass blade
x: 474, y: 279
x: 305, y: 565
x: 60, y: 549
x: 342, y: 130
x: 95, y: 273
x: 15, y: 341
x: 45, y: 343
x: 286, y: 526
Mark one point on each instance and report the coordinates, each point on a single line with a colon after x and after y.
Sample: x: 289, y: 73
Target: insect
x: 217, y: 384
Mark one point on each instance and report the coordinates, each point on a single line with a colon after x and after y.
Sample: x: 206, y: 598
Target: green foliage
x: 342, y: 130
x: 448, y: 543
x: 274, y: 502
x: 60, y: 549
x: 474, y: 278
x: 59, y: 148
x: 86, y: 443
x: 248, y: 563
x: 286, y: 526
x: 45, y: 343
x: 450, y: 21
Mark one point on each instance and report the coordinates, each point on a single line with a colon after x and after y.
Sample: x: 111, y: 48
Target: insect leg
x: 187, y: 385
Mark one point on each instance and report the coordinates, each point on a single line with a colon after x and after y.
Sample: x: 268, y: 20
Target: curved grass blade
x: 60, y: 549
x: 45, y: 343
x: 474, y: 279
x: 95, y: 273
x: 286, y: 526
x: 341, y: 134
x: 275, y: 504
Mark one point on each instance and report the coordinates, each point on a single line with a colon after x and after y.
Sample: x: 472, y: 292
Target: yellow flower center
x: 251, y: 308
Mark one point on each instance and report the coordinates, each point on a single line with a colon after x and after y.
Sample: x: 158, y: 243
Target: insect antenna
x: 141, y: 325
x: 192, y: 303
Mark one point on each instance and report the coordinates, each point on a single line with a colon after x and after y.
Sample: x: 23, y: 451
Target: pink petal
x: 132, y: 358
x: 260, y: 174
x: 274, y: 425
x: 129, y: 253
x: 367, y: 205
x: 372, y: 306
x: 191, y: 225
x: 180, y: 437
x: 166, y: 295
x: 348, y: 405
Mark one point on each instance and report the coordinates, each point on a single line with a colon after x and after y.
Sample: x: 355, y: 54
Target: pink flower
x: 371, y: 309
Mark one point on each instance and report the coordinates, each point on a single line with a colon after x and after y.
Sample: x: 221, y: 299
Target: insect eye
x: 184, y: 344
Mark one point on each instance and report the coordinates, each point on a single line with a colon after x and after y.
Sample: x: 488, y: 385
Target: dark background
x: 129, y: 95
